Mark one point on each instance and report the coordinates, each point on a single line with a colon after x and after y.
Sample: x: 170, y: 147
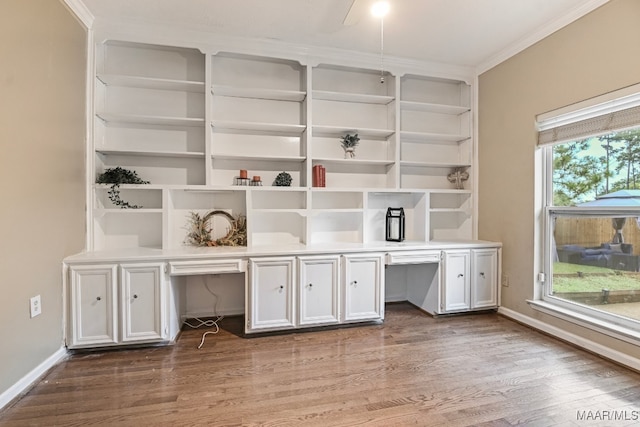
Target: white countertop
x: 194, y: 252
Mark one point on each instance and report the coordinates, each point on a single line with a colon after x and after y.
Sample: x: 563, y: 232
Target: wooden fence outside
x: 591, y: 232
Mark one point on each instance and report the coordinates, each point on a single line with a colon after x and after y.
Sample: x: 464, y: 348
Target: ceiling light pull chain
x: 381, y: 50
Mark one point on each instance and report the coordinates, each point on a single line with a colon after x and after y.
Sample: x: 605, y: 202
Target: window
x: 591, y: 156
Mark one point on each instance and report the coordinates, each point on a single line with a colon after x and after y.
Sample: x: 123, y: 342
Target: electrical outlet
x: 505, y: 280
x: 36, y: 306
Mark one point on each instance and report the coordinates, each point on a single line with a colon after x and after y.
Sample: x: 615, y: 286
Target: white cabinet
x: 270, y: 294
x: 142, y: 301
x: 319, y: 278
x: 456, y: 295
x: 484, y: 279
x: 107, y: 309
x: 363, y: 287
x: 470, y: 280
x: 321, y: 293
x: 93, y: 305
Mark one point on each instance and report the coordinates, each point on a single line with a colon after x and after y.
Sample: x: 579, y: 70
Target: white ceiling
x: 477, y: 33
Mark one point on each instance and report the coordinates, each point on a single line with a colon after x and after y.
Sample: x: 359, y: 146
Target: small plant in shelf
x: 115, y: 177
x: 283, y: 180
x: 349, y: 143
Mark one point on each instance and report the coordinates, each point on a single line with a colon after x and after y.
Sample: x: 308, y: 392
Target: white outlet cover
x: 36, y: 306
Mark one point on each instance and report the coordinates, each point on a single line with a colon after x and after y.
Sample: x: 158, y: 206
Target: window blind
x: 599, y: 119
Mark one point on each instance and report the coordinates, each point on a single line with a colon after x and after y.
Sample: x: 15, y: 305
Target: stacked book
x: 319, y: 175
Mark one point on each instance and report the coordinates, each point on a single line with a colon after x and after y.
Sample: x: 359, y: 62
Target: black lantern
x: 395, y: 225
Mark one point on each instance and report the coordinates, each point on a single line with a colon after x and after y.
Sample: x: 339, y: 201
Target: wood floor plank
x: 414, y: 369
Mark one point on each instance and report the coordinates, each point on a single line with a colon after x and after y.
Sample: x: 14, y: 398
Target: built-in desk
x: 139, y: 296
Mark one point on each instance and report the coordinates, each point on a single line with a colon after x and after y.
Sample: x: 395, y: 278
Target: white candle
x: 395, y: 228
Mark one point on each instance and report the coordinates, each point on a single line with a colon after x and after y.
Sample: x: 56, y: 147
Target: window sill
x: 590, y: 322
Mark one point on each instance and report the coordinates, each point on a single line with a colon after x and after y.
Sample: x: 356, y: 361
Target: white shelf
x: 151, y: 83
x: 271, y: 128
x: 258, y: 93
x: 337, y: 131
x: 449, y: 210
x: 240, y: 157
x: 253, y: 113
x: 301, y: 212
x: 119, y: 211
x: 432, y: 165
x: 316, y: 211
x: 151, y: 120
x: 447, y: 191
x: 428, y: 137
x: 355, y: 162
x: 176, y: 154
x: 362, y: 98
x: 433, y: 108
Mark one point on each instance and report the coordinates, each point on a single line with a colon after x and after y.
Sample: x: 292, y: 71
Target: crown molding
x: 80, y: 11
x: 545, y: 31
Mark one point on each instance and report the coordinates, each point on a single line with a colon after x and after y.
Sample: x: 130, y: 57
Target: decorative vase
x: 349, y: 152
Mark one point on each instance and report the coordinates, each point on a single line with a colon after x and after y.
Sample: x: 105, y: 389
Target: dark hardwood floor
x: 465, y: 370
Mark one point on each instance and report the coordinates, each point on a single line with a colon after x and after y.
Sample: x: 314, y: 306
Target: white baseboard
x: 25, y: 382
x: 594, y: 347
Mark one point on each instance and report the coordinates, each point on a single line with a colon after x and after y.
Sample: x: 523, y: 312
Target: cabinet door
x: 456, y: 284
x: 318, y: 290
x: 142, y: 301
x: 484, y: 282
x: 270, y: 297
x: 363, y: 287
x: 94, y: 315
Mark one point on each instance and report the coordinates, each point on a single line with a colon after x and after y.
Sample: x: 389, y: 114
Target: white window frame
x: 609, y: 324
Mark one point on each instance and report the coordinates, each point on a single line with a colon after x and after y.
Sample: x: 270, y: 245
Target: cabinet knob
x: 482, y: 274
x: 354, y: 283
x: 310, y: 285
x: 281, y: 288
x: 460, y: 275
x: 98, y: 298
x: 135, y: 296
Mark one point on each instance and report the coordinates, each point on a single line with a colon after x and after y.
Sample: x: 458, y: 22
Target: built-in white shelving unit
x: 189, y: 121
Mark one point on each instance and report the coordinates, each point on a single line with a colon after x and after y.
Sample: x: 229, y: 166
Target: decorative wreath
x: 200, y: 230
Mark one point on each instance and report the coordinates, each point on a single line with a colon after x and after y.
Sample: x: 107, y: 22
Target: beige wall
x: 592, y: 56
x: 42, y: 133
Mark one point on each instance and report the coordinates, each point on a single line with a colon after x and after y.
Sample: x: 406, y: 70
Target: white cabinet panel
x: 142, y: 302
x: 363, y: 287
x: 271, y: 294
x: 318, y: 290
x: 484, y: 282
x: 94, y: 315
x: 457, y: 290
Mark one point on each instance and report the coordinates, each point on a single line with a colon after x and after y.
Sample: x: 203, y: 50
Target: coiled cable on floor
x: 209, y: 323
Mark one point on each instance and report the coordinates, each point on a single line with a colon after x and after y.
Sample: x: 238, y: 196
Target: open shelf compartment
x: 415, y: 210
x: 183, y: 202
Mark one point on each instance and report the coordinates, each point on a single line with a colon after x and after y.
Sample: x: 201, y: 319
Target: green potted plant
x: 349, y: 143
x: 115, y: 177
x: 283, y: 180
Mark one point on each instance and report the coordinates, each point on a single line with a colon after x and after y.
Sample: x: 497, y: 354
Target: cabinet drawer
x: 178, y: 268
x: 413, y: 257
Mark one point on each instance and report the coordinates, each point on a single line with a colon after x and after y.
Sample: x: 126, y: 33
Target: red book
x: 323, y: 176
x: 315, y: 175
